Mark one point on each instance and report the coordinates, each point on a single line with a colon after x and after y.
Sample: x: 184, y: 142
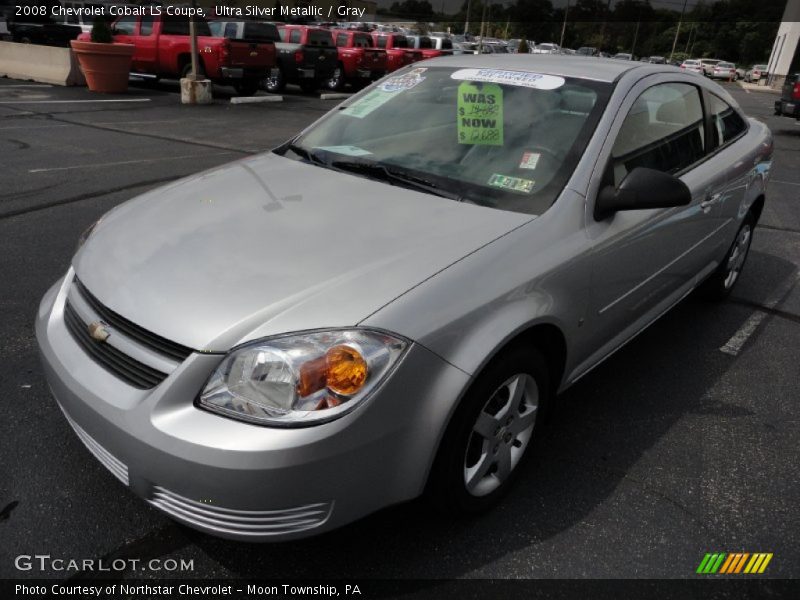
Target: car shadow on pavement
x: 605, y: 430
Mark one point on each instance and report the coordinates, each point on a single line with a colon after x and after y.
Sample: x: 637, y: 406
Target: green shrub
x: 101, y: 32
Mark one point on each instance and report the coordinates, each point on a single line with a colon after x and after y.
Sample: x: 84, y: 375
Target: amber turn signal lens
x: 347, y: 370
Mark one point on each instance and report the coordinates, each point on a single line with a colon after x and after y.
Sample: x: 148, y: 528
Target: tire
x: 309, y: 87
x: 336, y: 82
x: 276, y: 83
x: 187, y: 70
x: 489, y: 437
x: 247, y: 87
x: 721, y: 283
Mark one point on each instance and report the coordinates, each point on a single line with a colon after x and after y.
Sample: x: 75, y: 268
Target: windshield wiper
x: 306, y: 154
x: 398, y: 177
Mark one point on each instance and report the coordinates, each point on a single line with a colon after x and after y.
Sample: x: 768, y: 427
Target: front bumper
x: 243, y: 481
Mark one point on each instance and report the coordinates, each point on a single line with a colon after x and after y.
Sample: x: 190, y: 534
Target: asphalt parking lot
x: 685, y: 442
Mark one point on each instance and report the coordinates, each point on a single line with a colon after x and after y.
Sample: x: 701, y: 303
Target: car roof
x: 581, y: 67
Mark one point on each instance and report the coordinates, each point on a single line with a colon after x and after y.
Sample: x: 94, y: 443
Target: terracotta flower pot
x: 106, y: 66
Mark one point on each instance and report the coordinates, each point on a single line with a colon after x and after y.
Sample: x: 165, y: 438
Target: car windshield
x: 499, y: 138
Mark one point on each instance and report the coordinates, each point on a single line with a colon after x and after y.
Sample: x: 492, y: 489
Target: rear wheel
x: 490, y: 434
x: 336, y: 82
x: 187, y: 70
x: 722, y: 282
x: 276, y: 82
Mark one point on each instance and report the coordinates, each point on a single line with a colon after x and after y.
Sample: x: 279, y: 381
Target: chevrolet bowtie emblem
x: 98, y: 331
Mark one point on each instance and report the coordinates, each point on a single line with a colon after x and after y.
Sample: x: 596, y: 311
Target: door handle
x: 710, y: 200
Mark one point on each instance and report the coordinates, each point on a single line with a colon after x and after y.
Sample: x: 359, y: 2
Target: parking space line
x: 29, y: 127
x: 31, y: 85
x: 784, y: 182
x: 126, y: 162
x: 73, y: 101
x: 734, y: 345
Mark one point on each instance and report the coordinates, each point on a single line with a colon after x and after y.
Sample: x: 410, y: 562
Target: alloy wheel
x: 501, y: 434
x: 737, y: 255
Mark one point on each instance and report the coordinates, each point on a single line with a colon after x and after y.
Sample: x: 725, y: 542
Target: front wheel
x: 490, y: 434
x: 720, y: 284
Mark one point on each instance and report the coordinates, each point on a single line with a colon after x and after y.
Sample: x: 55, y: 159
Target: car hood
x: 269, y: 245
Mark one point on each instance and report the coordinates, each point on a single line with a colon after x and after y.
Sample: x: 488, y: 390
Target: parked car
x: 587, y: 51
x: 623, y: 56
x: 398, y: 51
x: 692, y: 65
x: 546, y: 48
x: 359, y: 60
x: 442, y: 43
x: 307, y: 56
x: 162, y: 48
x: 756, y: 73
x: 789, y: 103
x: 420, y: 288
x: 657, y: 60
x: 42, y: 30
x: 425, y: 45
x: 708, y: 65
x: 724, y: 70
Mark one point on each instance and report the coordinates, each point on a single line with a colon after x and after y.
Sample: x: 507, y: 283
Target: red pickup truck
x: 162, y: 49
x: 359, y: 61
x: 398, y: 52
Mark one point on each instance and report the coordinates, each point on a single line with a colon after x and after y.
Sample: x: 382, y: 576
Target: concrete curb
x: 255, y: 99
x: 334, y: 96
x: 46, y: 64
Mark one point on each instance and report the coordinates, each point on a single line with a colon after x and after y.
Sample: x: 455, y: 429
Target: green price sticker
x: 480, y: 114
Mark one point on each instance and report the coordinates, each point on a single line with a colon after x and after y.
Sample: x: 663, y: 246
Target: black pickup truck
x: 789, y: 104
x: 307, y: 56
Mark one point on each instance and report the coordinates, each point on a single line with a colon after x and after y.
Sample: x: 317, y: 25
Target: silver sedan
x: 387, y: 304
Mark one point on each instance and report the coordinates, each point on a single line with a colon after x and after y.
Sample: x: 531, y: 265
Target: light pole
x: 466, y: 21
x: 678, y: 31
x: 564, y: 26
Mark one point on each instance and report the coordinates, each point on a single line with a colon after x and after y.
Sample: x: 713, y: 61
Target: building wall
x: 785, y: 55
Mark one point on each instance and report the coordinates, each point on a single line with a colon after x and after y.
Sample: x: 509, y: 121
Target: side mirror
x: 643, y: 188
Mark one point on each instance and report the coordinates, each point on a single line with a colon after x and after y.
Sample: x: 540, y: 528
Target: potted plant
x: 105, y: 64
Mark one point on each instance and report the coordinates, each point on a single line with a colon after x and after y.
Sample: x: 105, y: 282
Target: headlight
x: 301, y: 379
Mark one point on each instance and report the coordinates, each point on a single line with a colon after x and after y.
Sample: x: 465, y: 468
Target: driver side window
x: 663, y: 131
x: 126, y: 25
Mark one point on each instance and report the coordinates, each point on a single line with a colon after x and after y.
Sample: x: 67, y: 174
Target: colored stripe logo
x: 734, y: 563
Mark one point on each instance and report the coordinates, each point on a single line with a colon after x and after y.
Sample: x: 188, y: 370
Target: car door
x: 738, y: 168
x: 145, y: 56
x: 643, y: 261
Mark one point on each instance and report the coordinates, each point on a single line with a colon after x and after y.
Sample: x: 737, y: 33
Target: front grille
x: 251, y: 523
x: 137, y: 374
x: 142, y: 336
x: 117, y: 467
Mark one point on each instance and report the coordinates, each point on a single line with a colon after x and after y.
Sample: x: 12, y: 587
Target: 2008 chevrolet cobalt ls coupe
x: 386, y: 304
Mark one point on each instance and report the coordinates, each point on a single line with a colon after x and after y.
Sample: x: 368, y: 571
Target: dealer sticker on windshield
x: 529, y: 160
x: 403, y: 82
x: 536, y: 81
x: 480, y: 114
x: 515, y: 184
x: 375, y: 99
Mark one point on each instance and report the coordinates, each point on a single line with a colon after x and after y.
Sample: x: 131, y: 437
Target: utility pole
x: 689, y: 39
x: 466, y: 22
x: 603, y: 30
x: 564, y: 26
x: 193, y: 43
x: 635, y: 37
x: 678, y: 31
x: 483, y: 25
